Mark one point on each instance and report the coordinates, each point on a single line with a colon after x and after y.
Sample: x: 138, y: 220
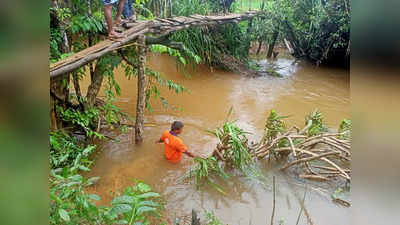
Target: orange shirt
x: 173, y: 146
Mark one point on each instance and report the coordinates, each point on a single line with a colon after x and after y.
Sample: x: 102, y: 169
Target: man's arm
x: 189, y: 154
x: 159, y: 141
x: 182, y: 148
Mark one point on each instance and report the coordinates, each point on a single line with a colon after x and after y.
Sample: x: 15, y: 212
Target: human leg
x: 109, y: 20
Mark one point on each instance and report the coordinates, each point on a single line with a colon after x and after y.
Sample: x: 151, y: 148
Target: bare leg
x: 120, y: 8
x: 109, y: 21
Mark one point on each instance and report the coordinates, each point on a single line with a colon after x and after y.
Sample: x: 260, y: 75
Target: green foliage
x: 190, y: 7
x: 156, y: 80
x: 263, y: 29
x: 272, y: 72
x: 205, y: 170
x: 345, y: 129
x: 275, y: 124
x: 66, y: 152
x: 317, y: 123
x: 135, y: 205
x: 317, y: 29
x: 85, y: 24
x: 175, y: 53
x: 85, y: 119
x: 198, y: 41
x: 245, y: 5
x: 237, y: 140
x: 69, y: 204
x: 210, y: 43
x: 212, y: 219
x: 234, y: 39
x: 55, y: 41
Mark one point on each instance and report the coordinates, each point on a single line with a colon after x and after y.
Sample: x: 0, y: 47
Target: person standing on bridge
x: 108, y: 4
x: 173, y: 145
x: 129, y: 12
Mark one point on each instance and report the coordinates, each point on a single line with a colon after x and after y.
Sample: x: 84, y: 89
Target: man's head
x: 177, y: 127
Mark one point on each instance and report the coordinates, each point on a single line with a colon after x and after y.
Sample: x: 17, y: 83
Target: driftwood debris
x: 156, y: 27
x: 320, y: 157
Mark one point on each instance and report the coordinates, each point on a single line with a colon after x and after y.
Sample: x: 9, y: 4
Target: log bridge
x: 156, y: 27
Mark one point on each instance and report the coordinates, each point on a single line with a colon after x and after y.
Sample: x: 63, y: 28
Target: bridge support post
x: 272, y: 44
x: 141, y: 87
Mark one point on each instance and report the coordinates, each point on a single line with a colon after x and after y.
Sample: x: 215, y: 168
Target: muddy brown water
x: 301, y: 89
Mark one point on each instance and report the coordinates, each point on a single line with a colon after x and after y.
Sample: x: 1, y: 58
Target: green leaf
x: 148, y: 203
x: 92, y: 180
x: 122, y: 222
x: 64, y: 215
x: 144, y: 209
x: 75, y: 178
x: 94, y: 197
x: 84, y: 168
x: 122, y: 199
x: 121, y: 208
x: 149, y: 195
x: 142, y: 187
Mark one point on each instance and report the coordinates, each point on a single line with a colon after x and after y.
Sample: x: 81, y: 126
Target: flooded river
x: 301, y: 89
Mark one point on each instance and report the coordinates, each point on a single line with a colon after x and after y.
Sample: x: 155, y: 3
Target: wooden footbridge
x: 157, y: 27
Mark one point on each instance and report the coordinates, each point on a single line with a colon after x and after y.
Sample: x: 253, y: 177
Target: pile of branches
x: 313, y: 151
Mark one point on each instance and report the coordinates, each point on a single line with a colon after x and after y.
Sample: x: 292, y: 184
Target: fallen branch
x: 308, y: 159
x: 314, y: 177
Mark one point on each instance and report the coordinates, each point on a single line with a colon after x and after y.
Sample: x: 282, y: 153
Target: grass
x: 205, y: 171
x: 245, y: 5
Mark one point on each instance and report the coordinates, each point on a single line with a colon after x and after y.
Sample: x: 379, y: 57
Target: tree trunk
x: 65, y: 42
x: 77, y: 88
x: 249, y: 27
x: 272, y: 45
x: 170, y: 8
x: 165, y: 7
x: 59, y: 87
x: 259, y: 46
x: 53, y: 117
x: 95, y: 85
x: 90, y: 38
x: 142, y: 87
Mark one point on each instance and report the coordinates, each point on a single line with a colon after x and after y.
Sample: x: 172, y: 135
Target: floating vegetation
x: 204, y: 170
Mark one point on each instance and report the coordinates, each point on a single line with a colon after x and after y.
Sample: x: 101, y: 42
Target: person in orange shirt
x: 173, y: 145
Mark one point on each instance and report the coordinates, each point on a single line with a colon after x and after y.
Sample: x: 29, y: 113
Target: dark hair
x: 176, y: 125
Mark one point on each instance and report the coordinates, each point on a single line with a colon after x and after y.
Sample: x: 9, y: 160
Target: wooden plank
x: 167, y: 21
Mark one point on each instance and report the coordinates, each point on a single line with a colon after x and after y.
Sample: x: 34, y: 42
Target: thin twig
x: 308, y: 159
x: 302, y: 205
x: 273, y: 203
